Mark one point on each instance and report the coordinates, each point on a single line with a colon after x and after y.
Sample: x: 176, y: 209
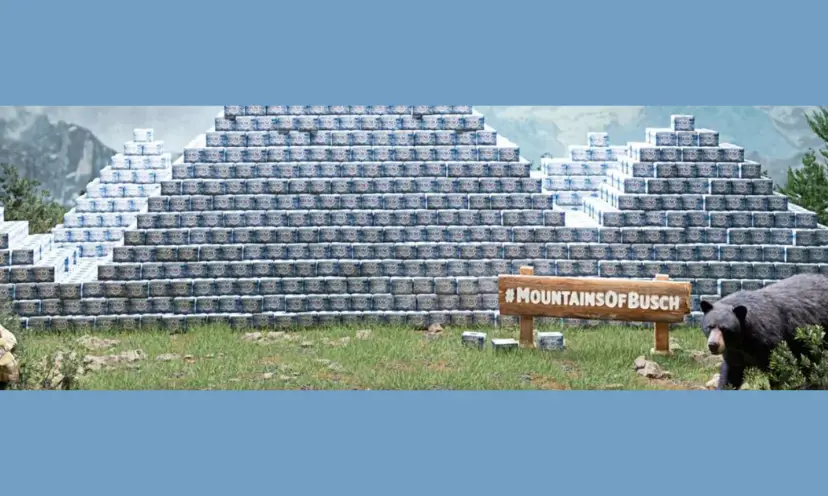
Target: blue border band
x: 482, y: 52
x: 413, y: 443
x: 524, y: 52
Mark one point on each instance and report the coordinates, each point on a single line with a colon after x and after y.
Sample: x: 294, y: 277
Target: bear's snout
x: 715, y: 343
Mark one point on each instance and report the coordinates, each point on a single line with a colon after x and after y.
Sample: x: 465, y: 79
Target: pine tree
x: 808, y: 186
x: 810, y: 371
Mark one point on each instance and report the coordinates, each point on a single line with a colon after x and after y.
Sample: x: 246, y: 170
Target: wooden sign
x: 660, y: 301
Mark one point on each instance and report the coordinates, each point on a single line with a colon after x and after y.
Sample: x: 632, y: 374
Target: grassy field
x: 374, y: 358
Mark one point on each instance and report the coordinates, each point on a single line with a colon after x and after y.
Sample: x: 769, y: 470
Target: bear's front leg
x: 731, y: 376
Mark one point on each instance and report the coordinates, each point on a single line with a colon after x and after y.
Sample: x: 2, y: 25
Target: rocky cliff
x: 64, y: 157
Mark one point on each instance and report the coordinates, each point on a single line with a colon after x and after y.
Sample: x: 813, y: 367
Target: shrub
x: 809, y: 371
x: 24, y: 200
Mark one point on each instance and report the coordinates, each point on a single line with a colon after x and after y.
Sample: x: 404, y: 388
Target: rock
x: 675, y: 346
x: 712, y: 383
x: 650, y: 369
x: 640, y: 362
x: 434, y: 329
x: 7, y: 340
x: 167, y: 357
x: 9, y: 367
x: 95, y: 363
x: 363, y: 334
x: 268, y: 375
x: 95, y: 343
x: 338, y: 342
x: 265, y: 337
x: 706, y: 359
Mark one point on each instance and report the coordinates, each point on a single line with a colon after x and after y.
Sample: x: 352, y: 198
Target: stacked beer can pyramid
x: 580, y: 175
x: 292, y: 216
x: 28, y: 261
x: 686, y: 205
x: 325, y: 214
x: 46, y: 274
x: 113, y: 201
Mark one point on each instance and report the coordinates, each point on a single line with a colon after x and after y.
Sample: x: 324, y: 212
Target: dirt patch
x: 397, y: 366
x: 570, y: 368
x: 674, y: 385
x: 547, y: 383
x: 439, y: 366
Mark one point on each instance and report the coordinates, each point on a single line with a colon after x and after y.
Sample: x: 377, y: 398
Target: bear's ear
x: 741, y: 312
x: 706, y: 306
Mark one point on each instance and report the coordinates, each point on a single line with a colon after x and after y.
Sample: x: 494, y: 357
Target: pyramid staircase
x: 31, y: 258
x: 684, y: 204
x: 580, y: 176
x: 293, y: 216
x: 40, y: 271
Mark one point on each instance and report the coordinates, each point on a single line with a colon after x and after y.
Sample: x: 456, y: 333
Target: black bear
x: 745, y: 326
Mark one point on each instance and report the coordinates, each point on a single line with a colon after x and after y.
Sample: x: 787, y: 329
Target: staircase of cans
x: 303, y: 215
x: 44, y: 274
x: 683, y: 204
x: 291, y: 216
x: 30, y: 259
x: 570, y: 180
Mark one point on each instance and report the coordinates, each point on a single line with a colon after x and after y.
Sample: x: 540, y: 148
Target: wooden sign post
x: 660, y: 301
x: 527, y: 322
x: 661, y: 333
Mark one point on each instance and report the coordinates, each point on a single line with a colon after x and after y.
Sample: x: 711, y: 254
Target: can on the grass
x: 504, y: 344
x: 474, y: 339
x: 550, y: 341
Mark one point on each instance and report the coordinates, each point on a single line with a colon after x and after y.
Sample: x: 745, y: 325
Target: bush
x: 808, y: 371
x: 24, y: 200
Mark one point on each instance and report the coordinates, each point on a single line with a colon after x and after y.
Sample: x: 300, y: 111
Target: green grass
x: 389, y: 358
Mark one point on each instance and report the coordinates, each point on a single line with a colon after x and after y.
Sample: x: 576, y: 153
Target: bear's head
x: 723, y: 325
